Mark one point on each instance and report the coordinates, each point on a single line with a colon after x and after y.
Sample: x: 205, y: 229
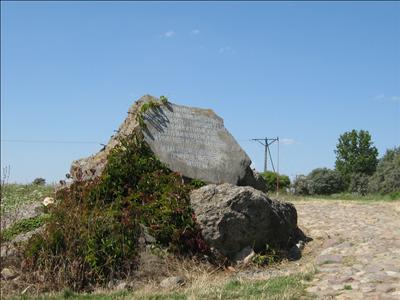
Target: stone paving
x: 355, y: 248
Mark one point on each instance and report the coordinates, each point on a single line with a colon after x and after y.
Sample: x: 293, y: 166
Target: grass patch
x: 279, y: 288
x: 347, y: 287
x: 15, y: 195
x: 23, y: 226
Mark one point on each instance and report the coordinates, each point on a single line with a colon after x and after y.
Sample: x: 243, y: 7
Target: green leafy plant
x: 269, y: 255
x: 164, y: 100
x: 152, y: 104
x: 23, y: 226
x: 92, y: 236
x: 196, y: 183
x: 271, y: 180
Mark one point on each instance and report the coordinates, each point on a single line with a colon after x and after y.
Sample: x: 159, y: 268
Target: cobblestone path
x: 355, y: 248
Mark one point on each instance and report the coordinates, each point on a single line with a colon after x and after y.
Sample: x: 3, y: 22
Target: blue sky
x: 303, y: 71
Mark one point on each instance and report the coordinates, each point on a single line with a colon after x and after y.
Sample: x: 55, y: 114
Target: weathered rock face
x: 191, y: 141
x: 253, y: 179
x: 194, y: 142
x: 232, y: 218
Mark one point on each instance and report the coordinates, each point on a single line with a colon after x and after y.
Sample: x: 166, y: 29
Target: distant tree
x: 386, y: 179
x: 39, y: 181
x: 270, y: 179
x: 300, y: 185
x: 355, y: 153
x: 323, y: 181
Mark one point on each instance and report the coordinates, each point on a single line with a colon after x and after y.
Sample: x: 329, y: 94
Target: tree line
x: 357, y: 170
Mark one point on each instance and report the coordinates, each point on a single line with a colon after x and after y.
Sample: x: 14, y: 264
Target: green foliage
x: 323, y: 181
x: 320, y: 181
x: 347, y: 287
x: 300, y: 185
x: 196, y: 183
x: 23, y: 226
x: 355, y: 153
x: 93, y: 234
x: 164, y: 100
x: 386, y: 179
x: 148, y: 106
x: 268, y: 256
x: 271, y: 180
x: 39, y: 181
x: 358, y: 183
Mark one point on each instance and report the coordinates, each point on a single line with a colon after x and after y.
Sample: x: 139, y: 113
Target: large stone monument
x: 191, y: 141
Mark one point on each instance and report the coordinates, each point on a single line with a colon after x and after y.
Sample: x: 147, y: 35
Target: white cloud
x: 169, y: 34
x: 226, y: 49
x: 382, y: 97
x: 287, y: 141
x: 195, y: 31
x: 395, y: 98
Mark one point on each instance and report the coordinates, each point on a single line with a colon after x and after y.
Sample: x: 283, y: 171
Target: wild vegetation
x: 357, y: 170
x: 92, y: 234
x: 277, y: 288
x: 273, y: 180
x: 14, y: 195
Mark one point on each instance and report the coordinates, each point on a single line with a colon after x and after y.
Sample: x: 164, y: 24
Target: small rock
x: 393, y: 274
x: 294, y: 253
x: 328, y: 259
x: 172, y: 282
x: 246, y: 254
x: 367, y: 288
x: 300, y: 245
x: 47, y: 201
x: 386, y: 288
x: 8, y: 274
x: 123, y: 285
x: 248, y: 258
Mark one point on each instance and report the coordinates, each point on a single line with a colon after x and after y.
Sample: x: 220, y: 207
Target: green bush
x: 92, y: 235
x: 358, y: 183
x: 323, y: 181
x: 39, y: 181
x: 300, y: 185
x: 386, y: 179
x: 271, y: 179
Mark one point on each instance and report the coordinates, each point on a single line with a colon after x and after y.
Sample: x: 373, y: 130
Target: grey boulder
x: 235, y: 217
x: 191, y: 141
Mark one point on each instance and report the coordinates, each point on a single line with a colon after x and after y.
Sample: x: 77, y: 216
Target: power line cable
x: 50, y: 141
